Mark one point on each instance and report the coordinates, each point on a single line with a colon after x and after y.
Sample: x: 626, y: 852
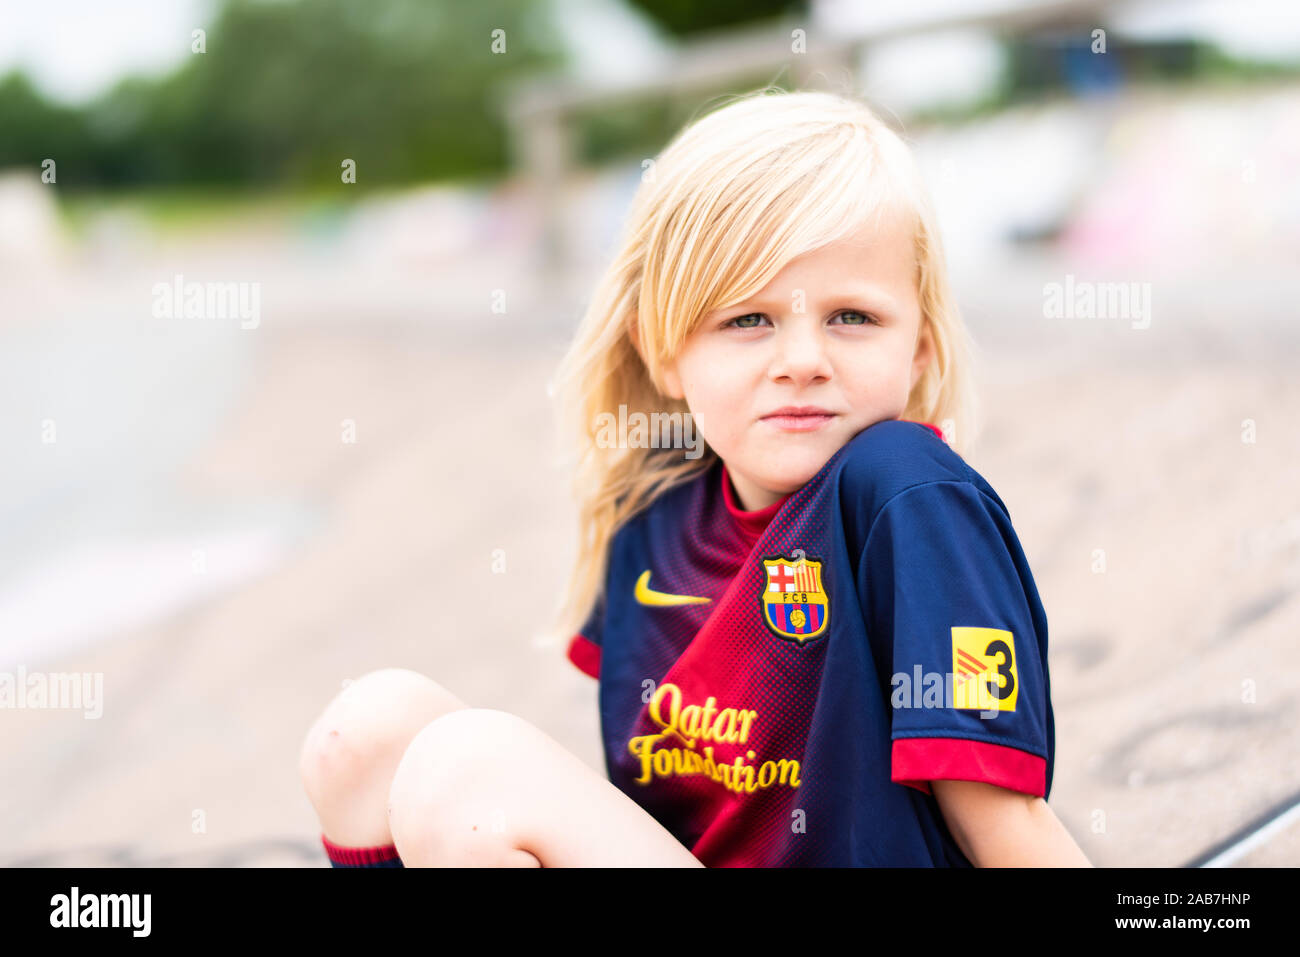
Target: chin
x: 795, y: 471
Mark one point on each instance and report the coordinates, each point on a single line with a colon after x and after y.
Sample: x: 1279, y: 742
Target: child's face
x: 806, y: 341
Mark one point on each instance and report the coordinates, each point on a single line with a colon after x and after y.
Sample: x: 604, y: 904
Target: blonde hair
x: 729, y: 202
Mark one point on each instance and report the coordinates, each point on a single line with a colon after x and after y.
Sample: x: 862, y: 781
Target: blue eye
x: 742, y: 322
x: 865, y: 320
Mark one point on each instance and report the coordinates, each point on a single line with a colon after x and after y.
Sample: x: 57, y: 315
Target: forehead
x: 877, y: 257
x: 880, y: 251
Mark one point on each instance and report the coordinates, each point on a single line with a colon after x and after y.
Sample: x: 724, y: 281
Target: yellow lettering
x: 710, y: 707
x: 724, y: 728
x: 792, y: 767
x: 667, y: 689
x: 664, y: 763
x: 737, y: 773
x: 642, y: 746
x: 745, y: 718
x: 695, y: 723
x: 690, y: 720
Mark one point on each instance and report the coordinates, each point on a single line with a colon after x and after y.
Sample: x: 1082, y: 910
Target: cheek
x: 878, y: 375
x: 717, y: 400
x: 711, y: 409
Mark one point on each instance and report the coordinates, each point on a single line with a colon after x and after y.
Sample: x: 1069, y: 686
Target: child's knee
x: 356, y: 742
x: 460, y: 751
x: 450, y: 800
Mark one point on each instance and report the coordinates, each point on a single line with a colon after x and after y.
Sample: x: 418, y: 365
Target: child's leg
x: 350, y: 753
x: 480, y: 787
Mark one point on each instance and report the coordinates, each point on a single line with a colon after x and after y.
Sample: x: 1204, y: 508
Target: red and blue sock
x: 383, y: 855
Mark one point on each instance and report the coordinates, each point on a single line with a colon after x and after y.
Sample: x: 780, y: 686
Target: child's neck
x: 751, y: 497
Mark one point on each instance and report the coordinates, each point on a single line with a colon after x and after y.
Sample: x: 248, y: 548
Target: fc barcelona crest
x: 795, y: 604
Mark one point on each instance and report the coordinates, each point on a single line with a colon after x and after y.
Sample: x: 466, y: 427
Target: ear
x: 673, y: 381
x: 925, y: 353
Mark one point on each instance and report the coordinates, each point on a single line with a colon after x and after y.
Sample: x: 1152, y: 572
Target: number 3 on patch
x: 984, y: 669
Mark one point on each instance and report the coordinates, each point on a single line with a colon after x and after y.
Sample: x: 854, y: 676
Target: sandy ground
x: 206, y: 711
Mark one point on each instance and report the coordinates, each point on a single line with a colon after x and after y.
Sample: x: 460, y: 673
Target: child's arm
x: 998, y: 827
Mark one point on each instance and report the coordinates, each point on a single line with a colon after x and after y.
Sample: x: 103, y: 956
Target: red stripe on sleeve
x: 585, y: 653
x: 916, y: 761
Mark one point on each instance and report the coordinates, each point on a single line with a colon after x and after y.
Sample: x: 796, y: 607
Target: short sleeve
x: 954, y: 617
x: 584, y: 646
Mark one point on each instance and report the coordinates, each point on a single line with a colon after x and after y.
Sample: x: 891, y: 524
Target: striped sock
x: 383, y: 855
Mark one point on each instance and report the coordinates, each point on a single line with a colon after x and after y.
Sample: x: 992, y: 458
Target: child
x: 819, y: 643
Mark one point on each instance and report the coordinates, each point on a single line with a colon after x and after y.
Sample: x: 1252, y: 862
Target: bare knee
x: 352, y: 749
x: 451, y: 801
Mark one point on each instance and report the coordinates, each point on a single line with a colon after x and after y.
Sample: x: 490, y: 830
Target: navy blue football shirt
x: 778, y: 687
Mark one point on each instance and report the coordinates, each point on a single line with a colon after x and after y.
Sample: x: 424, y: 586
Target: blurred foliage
x: 621, y: 130
x: 683, y: 18
x: 286, y: 91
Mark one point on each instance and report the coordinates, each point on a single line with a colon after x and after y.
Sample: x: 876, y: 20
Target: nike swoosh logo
x: 646, y: 596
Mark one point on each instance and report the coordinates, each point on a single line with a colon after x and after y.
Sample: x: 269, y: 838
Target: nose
x: 801, y: 353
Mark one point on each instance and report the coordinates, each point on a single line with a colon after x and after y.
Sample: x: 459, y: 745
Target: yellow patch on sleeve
x: 984, y: 669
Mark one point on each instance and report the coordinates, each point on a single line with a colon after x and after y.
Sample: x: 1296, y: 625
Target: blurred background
x: 227, y: 507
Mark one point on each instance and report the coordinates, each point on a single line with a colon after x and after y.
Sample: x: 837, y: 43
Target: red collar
x: 753, y: 523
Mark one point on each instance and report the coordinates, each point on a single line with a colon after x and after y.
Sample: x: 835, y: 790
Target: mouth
x: 801, y: 418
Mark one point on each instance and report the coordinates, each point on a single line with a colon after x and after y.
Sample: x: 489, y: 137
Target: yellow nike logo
x: 648, y: 597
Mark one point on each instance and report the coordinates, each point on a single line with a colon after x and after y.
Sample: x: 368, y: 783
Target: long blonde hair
x: 729, y: 202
